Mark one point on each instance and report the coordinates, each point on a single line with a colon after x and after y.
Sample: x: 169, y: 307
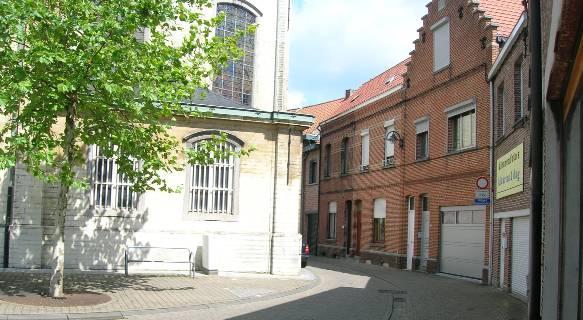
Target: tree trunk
x: 56, y: 283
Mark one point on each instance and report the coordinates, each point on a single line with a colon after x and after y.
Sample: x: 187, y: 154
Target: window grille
x: 110, y: 189
x: 236, y: 80
x: 211, y: 187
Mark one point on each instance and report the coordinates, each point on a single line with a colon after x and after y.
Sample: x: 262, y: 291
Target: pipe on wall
x: 536, y: 151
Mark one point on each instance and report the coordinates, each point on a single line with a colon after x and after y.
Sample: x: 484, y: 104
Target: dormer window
x: 390, y: 79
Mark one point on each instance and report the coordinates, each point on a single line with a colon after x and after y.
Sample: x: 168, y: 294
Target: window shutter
x: 365, y: 142
x: 332, y: 207
x: 441, y: 46
x: 380, y: 208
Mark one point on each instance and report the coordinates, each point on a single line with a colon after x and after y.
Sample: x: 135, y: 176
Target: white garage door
x: 520, y: 248
x: 462, y: 243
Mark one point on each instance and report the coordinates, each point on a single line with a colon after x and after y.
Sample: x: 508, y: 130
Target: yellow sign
x: 510, y: 172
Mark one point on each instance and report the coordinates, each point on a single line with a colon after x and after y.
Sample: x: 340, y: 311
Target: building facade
x: 408, y: 148
x: 560, y: 286
x: 220, y: 223
x: 510, y: 166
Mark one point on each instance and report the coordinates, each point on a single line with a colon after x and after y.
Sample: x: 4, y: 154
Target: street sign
x: 482, y: 183
x: 482, y: 197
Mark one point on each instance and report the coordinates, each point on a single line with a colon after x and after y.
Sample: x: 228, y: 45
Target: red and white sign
x: 482, y: 183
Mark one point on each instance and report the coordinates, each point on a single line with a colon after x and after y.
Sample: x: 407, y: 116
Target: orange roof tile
x: 376, y: 86
x: 504, y: 13
x: 321, y: 112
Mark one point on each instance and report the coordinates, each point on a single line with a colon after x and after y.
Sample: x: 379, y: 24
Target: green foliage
x: 55, y: 53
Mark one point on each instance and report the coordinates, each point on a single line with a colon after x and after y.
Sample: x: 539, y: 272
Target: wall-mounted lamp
x: 394, y: 137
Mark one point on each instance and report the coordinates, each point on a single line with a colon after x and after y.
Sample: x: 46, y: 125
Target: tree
x: 73, y: 74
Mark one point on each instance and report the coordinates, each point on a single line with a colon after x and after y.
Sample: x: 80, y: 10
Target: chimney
x: 347, y: 94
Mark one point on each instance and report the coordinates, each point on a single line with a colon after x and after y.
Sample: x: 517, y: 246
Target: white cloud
x: 295, y: 99
x: 341, y: 38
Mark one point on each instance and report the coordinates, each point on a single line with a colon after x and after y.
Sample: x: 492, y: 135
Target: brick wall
x: 446, y: 178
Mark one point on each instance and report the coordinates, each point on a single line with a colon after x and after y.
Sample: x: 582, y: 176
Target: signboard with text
x: 510, y: 172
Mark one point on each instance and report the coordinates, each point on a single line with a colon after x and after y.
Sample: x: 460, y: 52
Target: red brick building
x: 509, y: 79
x: 311, y: 165
x: 401, y: 159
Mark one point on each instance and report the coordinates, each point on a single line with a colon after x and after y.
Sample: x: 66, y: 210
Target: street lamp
x: 394, y: 137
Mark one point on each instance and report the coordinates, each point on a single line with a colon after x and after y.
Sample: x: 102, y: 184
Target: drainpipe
x: 274, y: 199
x: 491, y: 148
x: 8, y: 222
x: 536, y: 152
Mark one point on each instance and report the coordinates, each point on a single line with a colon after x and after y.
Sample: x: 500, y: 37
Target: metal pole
x: 534, y: 279
x: 126, y: 262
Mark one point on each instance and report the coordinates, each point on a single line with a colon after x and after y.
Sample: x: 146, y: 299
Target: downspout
x: 8, y: 221
x: 491, y: 169
x: 536, y: 151
x: 274, y: 199
x: 320, y: 174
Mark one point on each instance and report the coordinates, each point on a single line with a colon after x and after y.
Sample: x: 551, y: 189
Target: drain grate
x: 392, y: 291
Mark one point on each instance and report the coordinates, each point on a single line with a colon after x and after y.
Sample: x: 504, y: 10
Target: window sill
x: 422, y: 159
x: 211, y: 217
x: 520, y: 123
x: 441, y: 69
x: 108, y: 212
x: 464, y: 150
x: 391, y: 166
x: 312, y: 184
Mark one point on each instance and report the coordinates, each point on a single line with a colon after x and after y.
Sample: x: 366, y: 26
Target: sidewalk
x: 139, y: 294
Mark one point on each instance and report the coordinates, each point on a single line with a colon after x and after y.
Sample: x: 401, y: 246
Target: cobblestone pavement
x: 351, y: 290
x: 141, y: 293
x: 345, y: 290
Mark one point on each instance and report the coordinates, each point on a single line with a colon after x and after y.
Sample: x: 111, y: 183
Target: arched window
x: 236, y: 81
x: 211, y: 189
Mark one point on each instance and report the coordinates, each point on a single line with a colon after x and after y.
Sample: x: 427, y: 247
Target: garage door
x: 520, y: 247
x: 462, y: 243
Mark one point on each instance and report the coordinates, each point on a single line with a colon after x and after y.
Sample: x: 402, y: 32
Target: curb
x: 117, y: 315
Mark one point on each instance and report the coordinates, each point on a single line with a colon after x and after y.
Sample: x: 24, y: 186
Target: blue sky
x: 340, y: 44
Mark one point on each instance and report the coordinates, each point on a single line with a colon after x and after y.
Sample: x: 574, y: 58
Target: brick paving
x: 140, y: 292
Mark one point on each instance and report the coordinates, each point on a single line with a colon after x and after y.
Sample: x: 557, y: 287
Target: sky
x: 340, y: 44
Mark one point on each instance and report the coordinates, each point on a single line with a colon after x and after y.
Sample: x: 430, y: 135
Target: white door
x: 462, y: 243
x: 502, y: 251
x: 424, y: 239
x: 520, y: 254
x: 411, y: 233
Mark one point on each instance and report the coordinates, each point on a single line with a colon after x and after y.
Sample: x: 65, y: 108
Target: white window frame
x: 364, y: 149
x: 115, y: 187
x: 379, y: 217
x: 205, y: 209
x: 332, y: 211
x: 441, y: 52
x: 389, y: 146
x: 459, y: 109
x: 440, y: 4
x: 421, y: 126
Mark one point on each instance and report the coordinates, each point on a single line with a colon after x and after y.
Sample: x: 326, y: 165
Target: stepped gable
x: 383, y: 83
x: 504, y: 13
x: 321, y: 112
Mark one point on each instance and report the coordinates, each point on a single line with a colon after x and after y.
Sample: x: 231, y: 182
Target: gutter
x: 520, y: 25
x: 536, y: 151
x: 491, y: 171
x: 364, y: 104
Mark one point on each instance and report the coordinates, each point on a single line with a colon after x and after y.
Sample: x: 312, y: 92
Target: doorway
x: 410, y: 232
x: 348, y: 226
x: 358, y: 213
x: 313, y: 233
x: 502, y: 251
x: 424, y: 231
